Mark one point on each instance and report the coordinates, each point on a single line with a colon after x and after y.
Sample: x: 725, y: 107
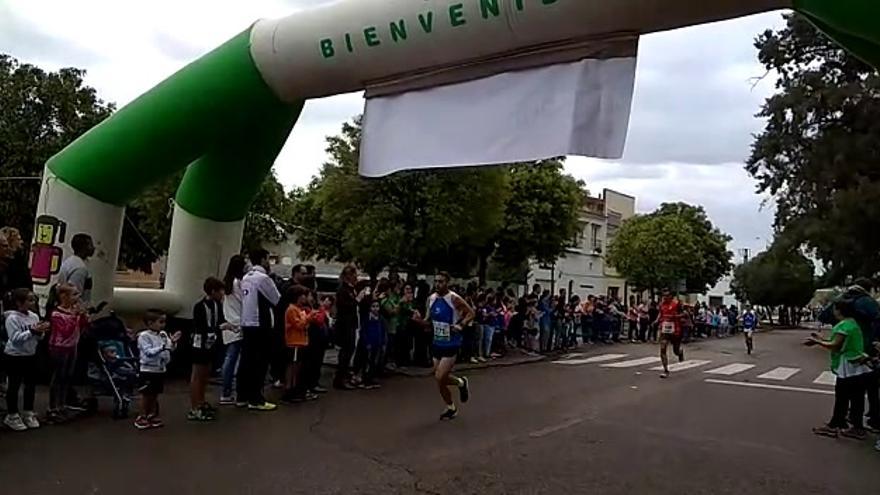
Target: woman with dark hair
x: 848, y: 363
x: 232, y: 327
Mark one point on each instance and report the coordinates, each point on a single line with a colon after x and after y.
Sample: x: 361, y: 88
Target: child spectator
x: 67, y: 323
x: 154, y: 347
x: 296, y: 335
x: 24, y: 330
x: 319, y: 338
x: 207, y: 319
x: 374, y: 342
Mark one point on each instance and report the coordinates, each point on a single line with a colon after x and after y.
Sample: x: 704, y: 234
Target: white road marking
x: 731, y: 369
x: 686, y: 365
x: 594, y: 359
x: 543, y: 432
x: 771, y: 387
x: 781, y: 374
x: 632, y: 363
x: 826, y: 378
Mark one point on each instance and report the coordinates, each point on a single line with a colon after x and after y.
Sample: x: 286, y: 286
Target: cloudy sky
x: 691, y: 127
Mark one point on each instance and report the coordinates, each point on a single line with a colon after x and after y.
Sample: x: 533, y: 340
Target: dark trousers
x: 643, y: 329
x: 278, y: 356
x: 316, y: 349
x: 20, y: 370
x: 345, y: 339
x: 255, y: 353
x: 422, y: 345
x: 849, y: 402
x: 373, y: 363
x: 587, y: 330
x: 63, y: 367
x: 632, y: 331
x: 652, y: 331
x: 872, y: 388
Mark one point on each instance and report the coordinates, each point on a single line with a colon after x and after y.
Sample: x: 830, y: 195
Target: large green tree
x: 40, y: 113
x: 779, y: 277
x: 420, y: 221
x: 820, y: 150
x: 675, y: 244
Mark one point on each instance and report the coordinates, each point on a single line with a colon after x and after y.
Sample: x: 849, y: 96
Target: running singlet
x: 669, y: 314
x: 442, y: 313
x: 749, y: 321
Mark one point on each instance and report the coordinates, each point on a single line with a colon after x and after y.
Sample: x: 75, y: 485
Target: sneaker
x: 208, y: 408
x: 665, y: 374
x: 142, y: 423
x: 464, y: 390
x: 14, y: 422
x: 449, y: 414
x: 371, y: 386
x: 854, y: 433
x: 198, y: 415
x: 265, y: 406
x: 474, y: 360
x: 55, y: 416
x: 311, y: 396
x: 241, y: 404
x: 482, y: 359
x: 227, y: 401
x: 155, y: 422
x: 278, y: 384
x: 30, y: 420
x: 826, y: 431
x: 319, y: 390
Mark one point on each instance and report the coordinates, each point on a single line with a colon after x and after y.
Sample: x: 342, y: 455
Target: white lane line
x: 826, y: 378
x: 594, y: 359
x: 771, y: 387
x: 573, y: 355
x: 632, y: 363
x: 685, y: 365
x: 731, y: 369
x: 543, y: 432
x: 780, y: 374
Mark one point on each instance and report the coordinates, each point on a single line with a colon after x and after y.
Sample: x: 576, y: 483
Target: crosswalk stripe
x: 595, y: 359
x: 731, y: 369
x: 633, y: 363
x: 826, y: 378
x: 685, y: 365
x: 781, y: 373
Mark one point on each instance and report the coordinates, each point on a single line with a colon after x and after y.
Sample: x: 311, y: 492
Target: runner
x: 750, y: 323
x: 669, y: 321
x: 448, y: 314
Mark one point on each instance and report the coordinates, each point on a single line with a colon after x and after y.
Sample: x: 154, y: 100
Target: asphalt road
x: 549, y: 427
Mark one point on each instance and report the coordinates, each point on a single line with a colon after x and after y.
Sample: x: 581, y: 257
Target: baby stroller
x: 112, y: 368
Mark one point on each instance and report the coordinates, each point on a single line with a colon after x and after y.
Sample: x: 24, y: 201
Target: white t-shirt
x: 257, y: 283
x: 74, y: 271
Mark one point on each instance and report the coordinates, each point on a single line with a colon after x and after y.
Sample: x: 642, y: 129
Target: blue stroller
x: 112, y: 368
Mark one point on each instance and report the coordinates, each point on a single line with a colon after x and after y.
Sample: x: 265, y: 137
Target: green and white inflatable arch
x: 226, y: 116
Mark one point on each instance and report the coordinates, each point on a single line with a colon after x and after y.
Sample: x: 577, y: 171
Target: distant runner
x: 448, y: 314
x: 750, y: 324
x: 669, y: 322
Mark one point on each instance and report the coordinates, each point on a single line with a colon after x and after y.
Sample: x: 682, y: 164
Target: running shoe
x: 854, y: 433
x: 14, y: 422
x: 464, y: 390
x: 449, y: 414
x: 198, y: 415
x: 155, y: 422
x: 826, y: 431
x: 142, y: 423
x: 665, y: 374
x: 30, y: 420
x: 227, y: 401
x: 265, y: 406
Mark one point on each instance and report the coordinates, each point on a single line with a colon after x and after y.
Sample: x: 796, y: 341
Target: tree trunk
x: 483, y: 269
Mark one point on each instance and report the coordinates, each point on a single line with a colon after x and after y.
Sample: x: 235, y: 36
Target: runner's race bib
x: 442, y: 331
x: 667, y: 328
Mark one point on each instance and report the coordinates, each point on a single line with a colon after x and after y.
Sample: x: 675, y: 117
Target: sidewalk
x: 514, y: 357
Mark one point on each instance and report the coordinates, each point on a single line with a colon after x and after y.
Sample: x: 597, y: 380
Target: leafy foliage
x: 676, y: 243
x: 425, y: 220
x: 818, y: 155
x: 40, y: 113
x: 781, y: 276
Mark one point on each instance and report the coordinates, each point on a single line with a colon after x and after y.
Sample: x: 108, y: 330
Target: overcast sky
x: 691, y: 127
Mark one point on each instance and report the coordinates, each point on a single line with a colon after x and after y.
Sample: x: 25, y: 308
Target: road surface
x: 600, y: 422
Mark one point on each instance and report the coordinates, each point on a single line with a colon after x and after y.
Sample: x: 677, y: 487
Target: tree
x: 40, y: 113
x: 676, y: 243
x: 147, y: 228
x: 424, y: 220
x: 781, y: 276
x: 819, y: 151
x: 542, y: 216
x: 713, y: 259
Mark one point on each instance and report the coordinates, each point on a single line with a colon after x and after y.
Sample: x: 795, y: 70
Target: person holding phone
x: 24, y: 331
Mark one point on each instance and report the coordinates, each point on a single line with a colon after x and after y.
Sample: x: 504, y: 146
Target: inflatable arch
x: 226, y: 116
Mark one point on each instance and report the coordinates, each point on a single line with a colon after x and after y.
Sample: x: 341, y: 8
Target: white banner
x: 578, y: 108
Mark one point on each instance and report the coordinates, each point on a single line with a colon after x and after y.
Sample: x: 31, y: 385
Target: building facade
x: 582, y: 269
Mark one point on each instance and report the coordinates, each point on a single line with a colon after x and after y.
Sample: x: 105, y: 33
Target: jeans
x: 478, y: 340
x: 20, y: 370
x: 255, y: 353
x: 488, y: 333
x: 63, y: 366
x: 230, y: 366
x: 849, y: 402
x: 545, y: 335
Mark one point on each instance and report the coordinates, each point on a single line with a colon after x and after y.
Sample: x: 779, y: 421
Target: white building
x: 582, y: 270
